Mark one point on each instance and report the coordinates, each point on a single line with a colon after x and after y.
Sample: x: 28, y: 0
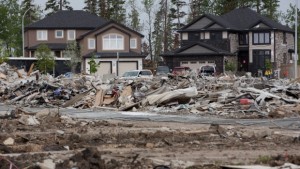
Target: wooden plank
x: 99, y: 97
x: 30, y: 69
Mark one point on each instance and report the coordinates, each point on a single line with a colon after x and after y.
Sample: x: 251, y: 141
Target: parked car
x: 181, y: 70
x: 137, y: 74
x: 162, y: 70
x: 207, y: 70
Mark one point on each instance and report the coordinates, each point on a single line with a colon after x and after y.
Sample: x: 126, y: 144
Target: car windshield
x: 131, y: 74
x: 162, y: 69
x: 207, y: 69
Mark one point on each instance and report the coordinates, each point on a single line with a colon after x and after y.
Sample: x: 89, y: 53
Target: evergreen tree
x: 133, y: 16
x: 158, y: 35
x: 112, y: 9
x: 271, y: 9
x: 118, y: 12
x: 198, y: 8
x: 56, y: 5
x: 45, y: 60
x: 103, y: 9
x: 224, y: 6
x: 148, y: 7
x: 91, y: 6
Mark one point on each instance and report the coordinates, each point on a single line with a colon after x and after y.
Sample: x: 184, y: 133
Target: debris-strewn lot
x: 35, y: 134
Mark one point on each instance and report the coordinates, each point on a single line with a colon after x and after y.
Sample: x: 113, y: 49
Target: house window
x: 261, y: 38
x: 202, y: 35
x: 216, y: 35
x: 284, y: 38
x: 59, y: 34
x: 71, y: 34
x: 133, y: 43
x: 184, y: 36
x: 194, y: 36
x: 91, y: 43
x: 42, y: 35
x: 243, y: 39
x: 113, y: 42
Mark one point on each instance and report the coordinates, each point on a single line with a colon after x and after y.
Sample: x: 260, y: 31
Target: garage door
x: 104, y: 68
x: 126, y: 66
x: 195, y: 65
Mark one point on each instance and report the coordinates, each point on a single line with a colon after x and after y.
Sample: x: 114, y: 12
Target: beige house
x: 116, y: 48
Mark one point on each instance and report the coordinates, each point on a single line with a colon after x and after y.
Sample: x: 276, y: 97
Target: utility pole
x: 296, y: 42
x: 60, y: 5
x: 165, y: 27
x: 23, y: 36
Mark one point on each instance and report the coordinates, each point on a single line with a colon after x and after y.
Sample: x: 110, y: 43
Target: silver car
x: 137, y: 74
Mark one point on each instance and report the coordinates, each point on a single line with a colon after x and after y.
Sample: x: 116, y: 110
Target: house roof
x: 214, y: 50
x: 112, y: 26
x: 76, y: 19
x: 130, y: 54
x: 240, y: 19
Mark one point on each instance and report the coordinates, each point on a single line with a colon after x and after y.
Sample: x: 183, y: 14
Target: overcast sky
x: 79, y: 4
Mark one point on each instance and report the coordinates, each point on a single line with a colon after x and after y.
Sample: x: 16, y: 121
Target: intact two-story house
x: 115, y: 47
x: 241, y: 36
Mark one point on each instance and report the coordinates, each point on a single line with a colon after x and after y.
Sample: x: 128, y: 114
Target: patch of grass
x: 263, y: 159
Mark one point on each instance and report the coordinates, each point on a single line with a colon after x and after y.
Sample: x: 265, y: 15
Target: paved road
x: 288, y: 123
x: 292, y: 123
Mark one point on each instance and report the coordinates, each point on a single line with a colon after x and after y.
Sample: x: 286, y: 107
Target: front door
x: 243, y: 61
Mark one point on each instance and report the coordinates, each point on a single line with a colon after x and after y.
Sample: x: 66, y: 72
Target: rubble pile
x: 227, y: 95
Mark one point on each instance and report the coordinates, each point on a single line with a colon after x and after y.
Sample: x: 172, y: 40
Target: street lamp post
x: 296, y: 40
x: 23, y: 38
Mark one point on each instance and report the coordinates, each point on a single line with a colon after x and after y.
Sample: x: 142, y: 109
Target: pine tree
x: 118, y: 12
x: 198, y: 8
x: 224, y: 6
x: 56, y: 5
x: 133, y: 16
x: 158, y: 34
x: 271, y: 9
x: 148, y: 7
x: 112, y: 9
x: 91, y: 6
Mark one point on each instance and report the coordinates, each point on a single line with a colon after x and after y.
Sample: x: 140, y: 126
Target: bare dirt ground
x: 143, y: 144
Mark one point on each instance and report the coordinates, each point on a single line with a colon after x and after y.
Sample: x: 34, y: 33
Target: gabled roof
x: 245, y: 18
x: 240, y: 19
x: 76, y: 19
x: 108, y: 23
x: 213, y: 50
